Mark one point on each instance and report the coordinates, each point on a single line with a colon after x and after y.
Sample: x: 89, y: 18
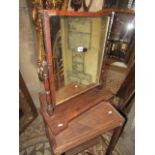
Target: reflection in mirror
x: 78, y: 48
x: 121, y: 37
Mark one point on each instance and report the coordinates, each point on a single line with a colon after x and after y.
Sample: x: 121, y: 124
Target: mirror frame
x: 49, y: 74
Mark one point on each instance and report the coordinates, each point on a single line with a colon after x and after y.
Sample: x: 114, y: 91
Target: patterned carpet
x: 33, y: 141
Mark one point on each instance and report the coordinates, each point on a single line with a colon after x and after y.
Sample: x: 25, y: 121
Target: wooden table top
x: 72, y: 108
x: 101, y: 118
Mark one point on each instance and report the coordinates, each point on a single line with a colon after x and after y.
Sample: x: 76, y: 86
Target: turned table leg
x: 115, y: 136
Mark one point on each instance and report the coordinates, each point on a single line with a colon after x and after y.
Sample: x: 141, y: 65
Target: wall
x: 28, y: 52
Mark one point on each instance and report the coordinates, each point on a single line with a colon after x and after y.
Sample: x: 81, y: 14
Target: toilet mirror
x: 77, y: 42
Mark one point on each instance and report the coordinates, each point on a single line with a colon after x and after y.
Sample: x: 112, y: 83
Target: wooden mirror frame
x: 49, y: 79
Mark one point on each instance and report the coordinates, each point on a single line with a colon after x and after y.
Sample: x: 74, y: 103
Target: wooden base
x: 71, y: 91
x: 72, y: 108
x: 101, y: 118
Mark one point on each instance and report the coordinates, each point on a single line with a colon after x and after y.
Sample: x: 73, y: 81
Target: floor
x: 33, y: 140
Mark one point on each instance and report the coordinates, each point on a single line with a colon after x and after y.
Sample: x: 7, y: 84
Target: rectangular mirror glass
x: 78, y: 45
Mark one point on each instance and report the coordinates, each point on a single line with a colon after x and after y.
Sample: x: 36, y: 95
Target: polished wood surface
x: 127, y: 90
x: 99, y: 13
x: 72, y: 108
x: 101, y: 118
x: 46, y: 29
x: 70, y: 91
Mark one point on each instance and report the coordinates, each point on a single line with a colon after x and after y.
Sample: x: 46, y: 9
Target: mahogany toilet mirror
x: 75, y: 45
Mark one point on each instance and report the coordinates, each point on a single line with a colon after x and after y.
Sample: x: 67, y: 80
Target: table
x: 85, y: 128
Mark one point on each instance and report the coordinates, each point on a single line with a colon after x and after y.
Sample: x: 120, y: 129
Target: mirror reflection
x: 121, y: 37
x: 78, y: 45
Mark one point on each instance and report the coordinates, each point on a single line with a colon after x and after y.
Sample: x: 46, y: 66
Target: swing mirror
x: 77, y: 46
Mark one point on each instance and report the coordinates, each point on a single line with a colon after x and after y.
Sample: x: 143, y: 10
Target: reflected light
x: 130, y: 26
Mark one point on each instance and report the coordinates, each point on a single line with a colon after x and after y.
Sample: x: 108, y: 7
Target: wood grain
x: 127, y: 89
x: 47, y: 36
x: 94, y: 122
x: 99, y: 13
x: 72, y: 108
x: 70, y: 91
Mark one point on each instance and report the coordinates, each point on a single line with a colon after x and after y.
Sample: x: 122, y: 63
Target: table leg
x: 46, y: 130
x: 115, y: 136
